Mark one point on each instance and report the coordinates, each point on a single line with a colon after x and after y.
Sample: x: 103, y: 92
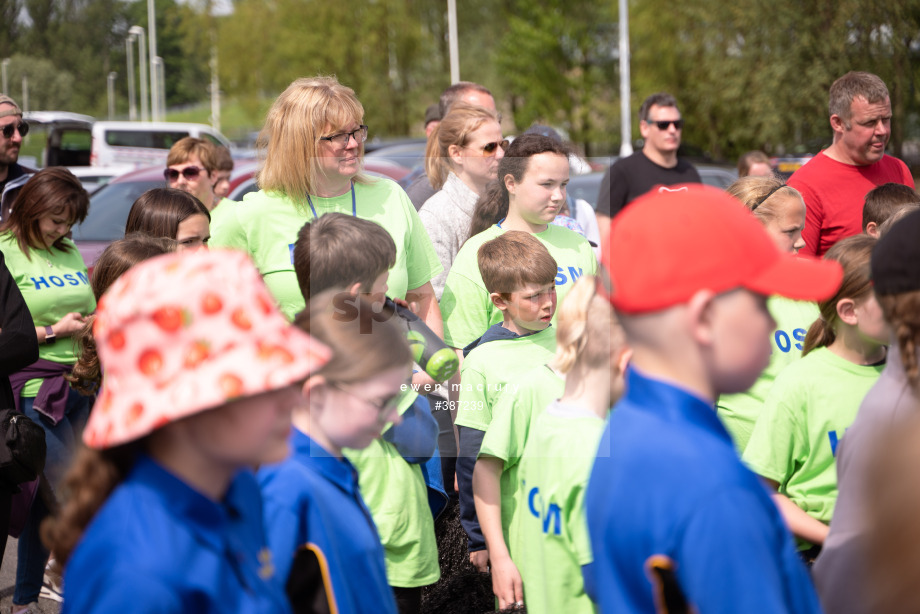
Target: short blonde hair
x: 587, y: 329
x: 290, y: 137
x: 189, y: 146
x: 756, y: 193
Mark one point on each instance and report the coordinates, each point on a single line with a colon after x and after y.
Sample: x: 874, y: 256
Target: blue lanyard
x: 354, y: 208
x: 499, y: 223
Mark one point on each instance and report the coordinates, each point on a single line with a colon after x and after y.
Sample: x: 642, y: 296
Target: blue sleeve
x: 416, y: 437
x: 587, y: 575
x: 282, y: 525
x: 124, y: 591
x: 737, y: 556
x: 470, y: 443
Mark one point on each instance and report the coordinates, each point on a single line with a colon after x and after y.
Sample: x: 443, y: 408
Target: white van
x: 79, y: 140
x: 143, y: 143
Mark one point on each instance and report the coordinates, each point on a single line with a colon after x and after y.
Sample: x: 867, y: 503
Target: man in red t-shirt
x: 835, y: 182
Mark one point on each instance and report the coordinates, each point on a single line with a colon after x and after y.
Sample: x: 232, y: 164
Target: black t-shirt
x: 633, y: 176
x: 9, y: 187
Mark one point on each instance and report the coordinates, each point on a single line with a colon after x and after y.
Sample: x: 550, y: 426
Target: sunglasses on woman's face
x: 21, y: 127
x: 489, y: 149
x: 189, y: 172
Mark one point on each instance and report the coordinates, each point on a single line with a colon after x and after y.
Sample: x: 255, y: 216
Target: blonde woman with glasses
x: 313, y: 149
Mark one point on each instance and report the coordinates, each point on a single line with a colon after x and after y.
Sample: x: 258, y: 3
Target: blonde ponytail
x: 586, y: 329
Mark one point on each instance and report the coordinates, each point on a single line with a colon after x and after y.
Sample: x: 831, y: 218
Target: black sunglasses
x: 189, y: 172
x: 22, y: 127
x: 664, y: 125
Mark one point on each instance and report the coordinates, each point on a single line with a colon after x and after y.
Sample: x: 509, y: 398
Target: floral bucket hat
x: 183, y: 333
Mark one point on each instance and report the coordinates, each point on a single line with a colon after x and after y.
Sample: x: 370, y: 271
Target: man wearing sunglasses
x: 192, y: 167
x: 655, y: 165
x: 12, y: 131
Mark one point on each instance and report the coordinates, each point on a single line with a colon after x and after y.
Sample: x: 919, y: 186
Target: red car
x: 109, y: 206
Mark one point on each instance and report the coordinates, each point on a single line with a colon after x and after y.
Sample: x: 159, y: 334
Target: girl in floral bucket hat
x: 202, y: 372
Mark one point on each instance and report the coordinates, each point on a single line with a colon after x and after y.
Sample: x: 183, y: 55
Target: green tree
x: 373, y: 47
x: 559, y: 67
x: 49, y: 87
x: 754, y: 74
x: 10, y: 27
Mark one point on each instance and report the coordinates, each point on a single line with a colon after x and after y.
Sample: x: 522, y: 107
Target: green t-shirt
x: 512, y: 418
x: 265, y: 226
x: 549, y: 532
x: 53, y: 283
x: 739, y: 411
x: 396, y: 495
x: 492, y: 369
x: 808, y: 409
x: 465, y: 303
x: 220, y: 215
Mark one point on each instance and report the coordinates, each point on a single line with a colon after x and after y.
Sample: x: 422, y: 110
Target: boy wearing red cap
x: 675, y: 519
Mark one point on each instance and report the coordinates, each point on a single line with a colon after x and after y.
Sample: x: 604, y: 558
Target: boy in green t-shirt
x: 341, y: 251
x: 519, y: 274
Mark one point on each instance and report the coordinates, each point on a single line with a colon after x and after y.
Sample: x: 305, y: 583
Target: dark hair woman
x: 53, y: 279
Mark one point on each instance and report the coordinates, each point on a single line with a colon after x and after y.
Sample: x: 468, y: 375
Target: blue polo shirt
x: 667, y: 481
x: 157, y: 545
x: 313, y: 498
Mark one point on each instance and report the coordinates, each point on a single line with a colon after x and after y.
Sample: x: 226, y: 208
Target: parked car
x: 377, y: 168
x: 110, y: 204
x: 79, y: 140
x: 144, y: 142
x: 94, y: 177
x: 588, y: 186
x: 788, y: 165
x: 717, y: 177
x: 409, y: 155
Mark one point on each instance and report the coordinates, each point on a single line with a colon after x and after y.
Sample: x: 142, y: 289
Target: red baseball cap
x: 667, y: 245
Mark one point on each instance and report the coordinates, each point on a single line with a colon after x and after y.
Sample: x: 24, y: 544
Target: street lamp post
x: 215, y: 90
x: 155, y: 85
x: 111, y: 83
x: 132, y: 103
x: 452, y: 41
x: 160, y: 70
x: 626, y: 147
x: 6, y: 83
x: 142, y: 61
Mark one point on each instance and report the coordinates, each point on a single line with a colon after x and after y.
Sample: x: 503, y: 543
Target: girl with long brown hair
x: 54, y: 281
x: 815, y: 400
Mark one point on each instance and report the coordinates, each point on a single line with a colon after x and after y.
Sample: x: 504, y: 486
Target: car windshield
x: 108, y: 210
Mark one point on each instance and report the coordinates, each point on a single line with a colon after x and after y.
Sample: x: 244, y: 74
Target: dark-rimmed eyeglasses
x: 664, y: 125
x: 341, y: 139
x: 189, y: 172
x: 489, y: 149
x: 21, y: 127
x: 386, y: 406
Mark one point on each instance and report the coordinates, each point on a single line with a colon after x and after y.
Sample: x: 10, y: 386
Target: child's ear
x: 700, y: 313
x: 872, y: 229
x: 846, y: 311
x: 314, y: 390
x: 498, y: 301
x: 622, y: 358
x: 354, y: 289
x: 509, y: 183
